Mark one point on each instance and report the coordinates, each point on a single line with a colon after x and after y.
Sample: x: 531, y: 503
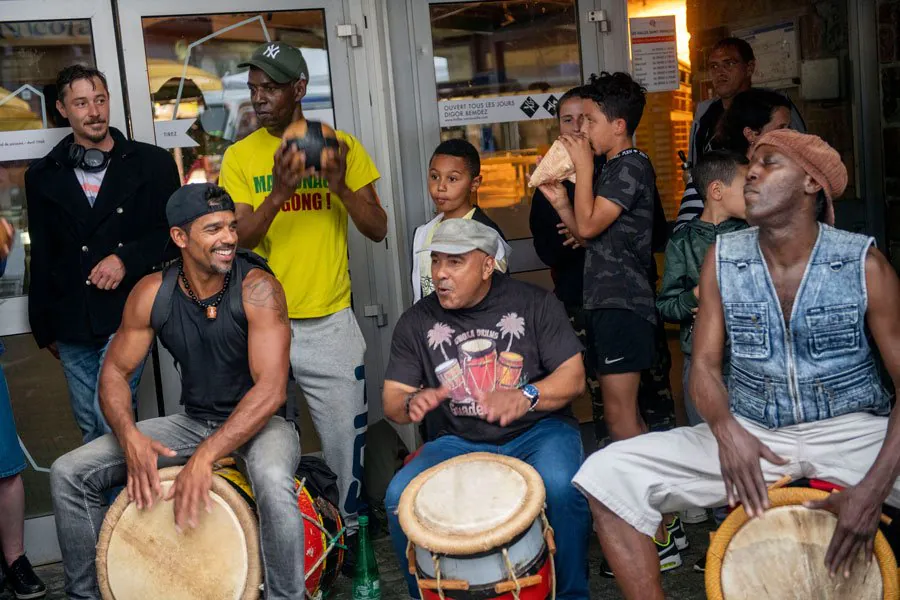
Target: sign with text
x: 30, y: 144
x: 173, y: 134
x: 498, y: 109
x: 654, y: 53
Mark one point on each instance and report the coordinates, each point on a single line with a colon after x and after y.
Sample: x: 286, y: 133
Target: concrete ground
x: 680, y: 584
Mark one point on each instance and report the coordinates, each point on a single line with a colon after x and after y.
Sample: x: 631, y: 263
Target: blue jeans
x: 79, y: 479
x: 81, y: 364
x: 554, y: 449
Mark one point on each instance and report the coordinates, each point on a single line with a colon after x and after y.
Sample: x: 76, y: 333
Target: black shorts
x: 621, y: 341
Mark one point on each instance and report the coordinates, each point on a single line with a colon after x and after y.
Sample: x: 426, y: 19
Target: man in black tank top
x: 223, y: 316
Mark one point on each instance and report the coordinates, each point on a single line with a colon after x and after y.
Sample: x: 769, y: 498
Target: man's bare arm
x: 269, y: 341
x: 128, y: 348
x: 365, y: 210
x: 562, y: 386
x: 883, y: 317
x: 706, y: 383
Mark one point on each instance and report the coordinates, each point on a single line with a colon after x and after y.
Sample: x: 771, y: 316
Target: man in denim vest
x: 803, y: 398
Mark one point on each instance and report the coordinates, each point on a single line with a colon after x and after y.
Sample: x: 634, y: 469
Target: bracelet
x: 409, y: 398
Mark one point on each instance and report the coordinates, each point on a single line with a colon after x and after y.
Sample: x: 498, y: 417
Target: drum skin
x: 140, y: 555
x: 781, y: 556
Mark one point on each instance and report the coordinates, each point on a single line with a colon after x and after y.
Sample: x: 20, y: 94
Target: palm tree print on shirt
x: 511, y: 325
x: 438, y: 336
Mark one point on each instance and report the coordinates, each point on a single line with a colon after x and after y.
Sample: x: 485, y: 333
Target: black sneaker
x: 23, y: 581
x: 669, y: 557
x: 700, y: 565
x: 676, y: 529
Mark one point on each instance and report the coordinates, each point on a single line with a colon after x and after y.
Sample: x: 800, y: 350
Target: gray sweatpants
x: 327, y: 363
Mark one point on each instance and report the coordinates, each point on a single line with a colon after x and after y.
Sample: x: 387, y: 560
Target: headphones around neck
x: 90, y: 160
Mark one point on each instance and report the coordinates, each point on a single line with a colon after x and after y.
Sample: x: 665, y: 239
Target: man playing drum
x: 491, y: 364
x: 804, y: 397
x: 223, y: 317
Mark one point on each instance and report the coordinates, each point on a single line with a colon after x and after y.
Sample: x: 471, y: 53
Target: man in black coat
x: 97, y: 223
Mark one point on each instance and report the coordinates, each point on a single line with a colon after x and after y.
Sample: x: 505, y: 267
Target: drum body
x: 781, y: 555
x: 477, y: 530
x: 139, y: 554
x: 321, y: 523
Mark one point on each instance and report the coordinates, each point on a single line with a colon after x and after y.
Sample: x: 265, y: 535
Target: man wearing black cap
x: 222, y: 315
x: 297, y: 219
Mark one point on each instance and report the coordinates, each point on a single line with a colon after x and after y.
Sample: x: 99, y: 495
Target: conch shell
x: 555, y: 166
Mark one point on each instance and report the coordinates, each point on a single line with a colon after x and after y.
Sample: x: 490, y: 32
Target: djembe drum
x: 781, y: 555
x: 140, y: 555
x: 477, y: 530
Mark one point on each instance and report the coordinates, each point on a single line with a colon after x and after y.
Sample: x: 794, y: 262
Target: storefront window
x: 499, y: 68
x: 192, y: 68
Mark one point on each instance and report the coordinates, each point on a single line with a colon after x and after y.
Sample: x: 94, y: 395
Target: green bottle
x: 366, y: 585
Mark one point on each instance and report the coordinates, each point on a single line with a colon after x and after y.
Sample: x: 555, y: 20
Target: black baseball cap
x: 280, y: 61
x: 194, y: 200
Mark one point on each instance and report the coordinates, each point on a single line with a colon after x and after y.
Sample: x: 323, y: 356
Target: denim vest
x: 820, y: 367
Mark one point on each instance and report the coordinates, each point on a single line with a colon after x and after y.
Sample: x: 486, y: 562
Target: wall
x: 889, y: 68
x: 823, y: 33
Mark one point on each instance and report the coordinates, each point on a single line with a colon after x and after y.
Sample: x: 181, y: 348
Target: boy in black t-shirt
x: 614, y: 215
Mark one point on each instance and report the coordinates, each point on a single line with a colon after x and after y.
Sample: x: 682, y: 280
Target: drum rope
x: 512, y: 574
x: 436, y: 560
x: 548, y: 528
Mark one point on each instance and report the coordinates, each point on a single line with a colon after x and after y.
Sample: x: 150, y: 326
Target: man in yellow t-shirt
x: 297, y: 219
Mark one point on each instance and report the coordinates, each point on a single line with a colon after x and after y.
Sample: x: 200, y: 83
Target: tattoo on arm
x: 265, y: 292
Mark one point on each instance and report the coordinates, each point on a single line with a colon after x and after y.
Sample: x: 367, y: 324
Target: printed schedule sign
x: 654, y: 53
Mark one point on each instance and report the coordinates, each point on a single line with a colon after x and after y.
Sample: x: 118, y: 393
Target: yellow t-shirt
x: 306, y: 246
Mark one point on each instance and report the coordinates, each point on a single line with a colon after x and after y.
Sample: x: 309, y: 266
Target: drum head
x: 781, y: 555
x: 140, y: 555
x: 471, y: 503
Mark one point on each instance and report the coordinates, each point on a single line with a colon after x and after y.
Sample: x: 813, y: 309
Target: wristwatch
x: 532, y: 394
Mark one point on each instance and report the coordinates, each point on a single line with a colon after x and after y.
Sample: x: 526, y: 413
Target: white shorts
x: 644, y: 477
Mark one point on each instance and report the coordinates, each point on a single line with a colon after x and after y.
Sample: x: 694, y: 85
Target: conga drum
x: 781, y: 555
x: 477, y: 530
x: 140, y: 555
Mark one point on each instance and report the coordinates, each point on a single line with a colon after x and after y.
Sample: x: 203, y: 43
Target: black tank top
x: 211, y: 355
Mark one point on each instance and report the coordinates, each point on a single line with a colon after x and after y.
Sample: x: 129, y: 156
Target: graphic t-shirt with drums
x: 518, y: 334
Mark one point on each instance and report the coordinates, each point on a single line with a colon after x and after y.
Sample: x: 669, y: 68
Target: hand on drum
x: 425, y: 401
x: 503, y: 406
x: 289, y: 169
x: 858, y: 510
x: 334, y: 166
x: 739, y: 456
x: 191, y: 491
x: 141, y: 457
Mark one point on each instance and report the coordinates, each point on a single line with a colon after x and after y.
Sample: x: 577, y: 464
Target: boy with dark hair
x: 720, y: 179
x: 614, y: 215
x: 454, y: 175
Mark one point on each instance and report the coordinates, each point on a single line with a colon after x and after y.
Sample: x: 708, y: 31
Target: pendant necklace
x: 210, y: 307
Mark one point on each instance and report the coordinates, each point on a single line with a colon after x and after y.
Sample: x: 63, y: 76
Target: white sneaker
x: 694, y: 515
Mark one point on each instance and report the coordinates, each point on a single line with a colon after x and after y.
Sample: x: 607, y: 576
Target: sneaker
x: 694, y: 515
x: 669, y: 557
x: 23, y: 581
x: 676, y: 529
x: 700, y: 565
